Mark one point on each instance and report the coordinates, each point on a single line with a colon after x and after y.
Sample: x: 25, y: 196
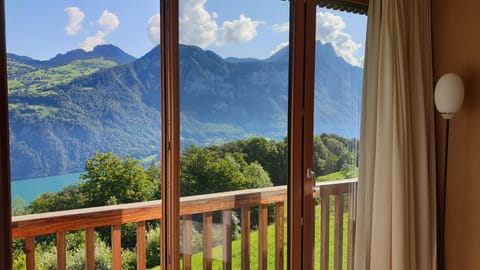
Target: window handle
x: 311, y: 176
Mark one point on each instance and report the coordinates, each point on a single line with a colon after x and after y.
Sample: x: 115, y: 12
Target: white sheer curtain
x: 396, y: 224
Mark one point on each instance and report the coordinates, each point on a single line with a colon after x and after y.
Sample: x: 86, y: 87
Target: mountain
x: 338, y: 94
x: 56, y: 127
x: 254, y: 94
x: 106, y: 52
x: 240, y: 60
x: 281, y: 55
x: 29, y: 76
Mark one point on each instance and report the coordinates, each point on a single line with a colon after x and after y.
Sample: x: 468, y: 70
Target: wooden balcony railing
x: 59, y: 223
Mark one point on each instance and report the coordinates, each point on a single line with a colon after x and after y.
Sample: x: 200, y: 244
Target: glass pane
x: 340, y: 45
x: 85, y: 130
x: 234, y: 62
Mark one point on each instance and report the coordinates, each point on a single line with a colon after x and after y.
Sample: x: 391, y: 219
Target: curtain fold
x: 396, y: 214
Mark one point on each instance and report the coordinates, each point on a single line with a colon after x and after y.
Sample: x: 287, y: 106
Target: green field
x: 26, y: 78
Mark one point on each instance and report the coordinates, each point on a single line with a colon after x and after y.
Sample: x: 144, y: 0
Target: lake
x: 29, y: 189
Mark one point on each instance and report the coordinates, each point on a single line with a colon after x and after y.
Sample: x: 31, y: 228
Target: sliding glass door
x: 234, y: 79
x: 336, y: 104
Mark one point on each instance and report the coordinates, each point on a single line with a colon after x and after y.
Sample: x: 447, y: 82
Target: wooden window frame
x: 170, y: 95
x: 5, y: 196
x: 296, y: 135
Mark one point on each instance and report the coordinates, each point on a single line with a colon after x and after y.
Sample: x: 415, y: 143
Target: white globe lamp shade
x: 449, y: 94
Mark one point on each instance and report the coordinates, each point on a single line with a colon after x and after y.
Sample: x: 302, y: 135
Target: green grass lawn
x: 197, y: 259
x: 331, y: 177
x: 337, y: 176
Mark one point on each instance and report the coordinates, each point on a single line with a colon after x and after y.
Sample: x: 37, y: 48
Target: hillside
x: 105, y: 52
x: 69, y: 109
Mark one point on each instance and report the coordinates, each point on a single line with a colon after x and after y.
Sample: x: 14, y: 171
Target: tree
x: 271, y: 154
x: 346, y: 163
x: 68, y: 198
x: 18, y: 206
x: 256, y: 176
x: 334, y: 145
x: 111, y: 180
x: 320, y: 155
x: 205, y: 170
x: 154, y: 172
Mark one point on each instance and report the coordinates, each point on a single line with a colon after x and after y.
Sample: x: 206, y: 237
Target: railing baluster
x: 207, y: 240
x: 187, y: 242
x: 245, y: 237
x: 61, y: 251
x: 338, y: 251
x: 351, y: 223
x: 117, y: 247
x: 262, y: 236
x: 227, y: 239
x: 90, y: 248
x: 325, y: 226
x: 279, y: 234
x: 141, y: 246
x: 30, y: 252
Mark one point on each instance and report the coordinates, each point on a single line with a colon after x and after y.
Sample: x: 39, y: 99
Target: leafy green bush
x: 153, y: 247
x: 236, y: 227
x: 129, y: 259
x: 46, y: 257
x: 76, y: 259
x: 19, y: 262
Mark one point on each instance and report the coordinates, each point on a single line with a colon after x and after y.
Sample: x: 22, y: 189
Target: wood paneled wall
x: 456, y: 48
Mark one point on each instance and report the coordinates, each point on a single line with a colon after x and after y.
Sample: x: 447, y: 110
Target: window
x: 85, y: 130
x: 234, y: 64
x: 235, y: 96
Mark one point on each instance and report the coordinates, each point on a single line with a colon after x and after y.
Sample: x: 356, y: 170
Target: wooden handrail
x: 79, y: 219
x: 88, y: 219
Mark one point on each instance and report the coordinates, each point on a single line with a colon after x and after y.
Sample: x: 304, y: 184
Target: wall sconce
x: 449, y: 93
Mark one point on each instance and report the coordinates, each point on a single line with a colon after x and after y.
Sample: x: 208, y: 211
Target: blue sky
x: 240, y: 28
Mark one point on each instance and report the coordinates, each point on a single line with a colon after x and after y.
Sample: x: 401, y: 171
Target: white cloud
x: 330, y: 29
x: 75, y: 20
x: 241, y: 30
x: 197, y: 25
x: 108, y: 21
x: 284, y: 27
x: 90, y: 42
x: 153, y: 29
x: 278, y: 48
